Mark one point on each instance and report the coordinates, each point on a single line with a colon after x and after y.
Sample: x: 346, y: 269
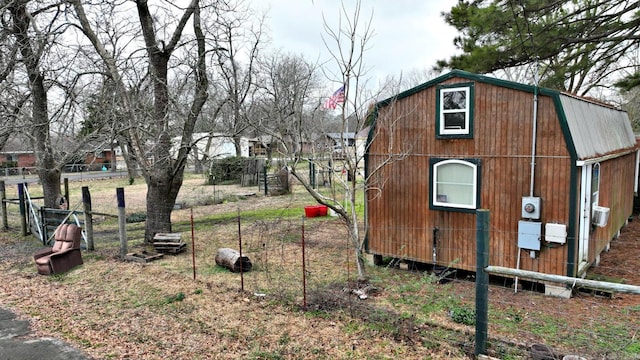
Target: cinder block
x: 369, y: 258
x: 557, y: 291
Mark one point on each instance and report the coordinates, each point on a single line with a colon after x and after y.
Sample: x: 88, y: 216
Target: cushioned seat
x: 65, y: 253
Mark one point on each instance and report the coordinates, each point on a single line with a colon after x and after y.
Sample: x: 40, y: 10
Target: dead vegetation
x: 124, y: 310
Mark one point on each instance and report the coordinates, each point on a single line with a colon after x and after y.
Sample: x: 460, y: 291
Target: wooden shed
x: 557, y: 173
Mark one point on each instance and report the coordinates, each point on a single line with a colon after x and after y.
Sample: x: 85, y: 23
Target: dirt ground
x: 622, y: 261
x: 120, y: 310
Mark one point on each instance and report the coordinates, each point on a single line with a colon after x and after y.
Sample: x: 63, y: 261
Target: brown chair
x: 65, y: 253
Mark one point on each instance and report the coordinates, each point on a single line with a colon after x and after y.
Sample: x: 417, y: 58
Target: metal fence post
x: 266, y: 187
x: 122, y: 222
x: 482, y: 280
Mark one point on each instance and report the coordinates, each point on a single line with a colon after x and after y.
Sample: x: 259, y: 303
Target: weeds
x: 175, y: 298
x: 463, y: 315
x: 136, y: 217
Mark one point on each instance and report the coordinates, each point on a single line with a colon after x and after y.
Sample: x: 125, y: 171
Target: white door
x: 590, y: 195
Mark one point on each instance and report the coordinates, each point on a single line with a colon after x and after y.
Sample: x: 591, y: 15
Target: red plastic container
x: 322, y: 210
x: 315, y: 210
x: 311, y: 211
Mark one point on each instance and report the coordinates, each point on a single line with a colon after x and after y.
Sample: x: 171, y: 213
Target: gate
x: 42, y: 222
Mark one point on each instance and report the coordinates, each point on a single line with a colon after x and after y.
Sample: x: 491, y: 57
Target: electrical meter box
x: 531, y: 207
x: 529, y: 234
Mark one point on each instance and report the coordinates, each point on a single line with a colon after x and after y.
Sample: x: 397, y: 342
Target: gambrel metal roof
x: 592, y: 129
x: 596, y: 129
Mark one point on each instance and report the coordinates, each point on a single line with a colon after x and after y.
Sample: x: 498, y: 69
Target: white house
x: 212, y: 146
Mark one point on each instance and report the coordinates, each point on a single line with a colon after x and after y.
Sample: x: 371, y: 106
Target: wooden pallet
x: 169, y: 243
x: 143, y: 256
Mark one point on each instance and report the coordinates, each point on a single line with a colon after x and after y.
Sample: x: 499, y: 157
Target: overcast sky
x: 408, y: 34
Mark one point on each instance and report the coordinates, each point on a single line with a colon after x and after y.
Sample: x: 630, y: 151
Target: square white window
x: 455, y: 111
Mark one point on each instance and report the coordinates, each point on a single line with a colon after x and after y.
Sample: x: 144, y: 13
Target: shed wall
x: 616, y: 192
x: 400, y: 221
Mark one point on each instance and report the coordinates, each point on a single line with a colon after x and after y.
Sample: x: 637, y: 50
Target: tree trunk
x: 112, y: 157
x: 232, y: 260
x: 48, y: 172
x: 50, y: 180
x: 238, y: 144
x: 129, y: 159
x: 162, y: 191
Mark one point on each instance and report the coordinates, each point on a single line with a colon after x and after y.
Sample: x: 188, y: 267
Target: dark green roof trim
x: 564, y: 126
x: 572, y: 241
x: 472, y: 77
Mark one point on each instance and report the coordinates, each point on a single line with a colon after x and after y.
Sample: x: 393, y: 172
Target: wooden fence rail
x: 41, y: 221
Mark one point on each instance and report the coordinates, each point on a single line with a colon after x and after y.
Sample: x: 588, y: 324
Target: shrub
x: 226, y: 170
x: 136, y: 217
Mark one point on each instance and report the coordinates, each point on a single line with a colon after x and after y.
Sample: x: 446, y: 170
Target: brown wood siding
x: 400, y: 221
x: 616, y: 189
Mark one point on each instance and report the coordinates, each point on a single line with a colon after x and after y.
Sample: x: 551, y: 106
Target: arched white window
x: 454, y: 183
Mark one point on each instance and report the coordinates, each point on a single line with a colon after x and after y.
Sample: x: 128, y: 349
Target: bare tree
x: 348, y: 43
x: 150, y: 141
x: 287, y: 108
x: 237, y: 41
x: 34, y: 65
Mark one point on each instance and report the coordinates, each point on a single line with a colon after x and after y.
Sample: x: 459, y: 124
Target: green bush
x: 136, y: 217
x: 226, y: 170
x: 9, y: 164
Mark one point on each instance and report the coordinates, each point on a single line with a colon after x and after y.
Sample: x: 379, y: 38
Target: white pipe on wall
x: 534, y: 137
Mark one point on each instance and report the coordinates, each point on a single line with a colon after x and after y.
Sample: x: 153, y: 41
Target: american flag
x: 335, y: 99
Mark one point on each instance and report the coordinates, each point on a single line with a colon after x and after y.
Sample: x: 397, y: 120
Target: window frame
x: 441, y: 131
x: 435, y: 203
x: 595, y: 185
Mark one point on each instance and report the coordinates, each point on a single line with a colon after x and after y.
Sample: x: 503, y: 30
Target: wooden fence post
x: 3, y: 198
x: 482, y: 281
x: 23, y: 210
x: 88, y: 217
x: 122, y: 218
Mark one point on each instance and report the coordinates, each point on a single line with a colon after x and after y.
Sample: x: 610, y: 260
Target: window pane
x: 454, y: 120
x: 454, y: 100
x: 455, y: 184
x: 595, y: 178
x: 595, y: 184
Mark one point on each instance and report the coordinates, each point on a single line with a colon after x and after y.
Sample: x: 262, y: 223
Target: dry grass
x: 117, y: 310
x: 120, y: 310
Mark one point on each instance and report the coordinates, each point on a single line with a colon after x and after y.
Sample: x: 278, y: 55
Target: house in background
x: 355, y: 141
x: 97, y: 156
x: 212, y: 146
x: 557, y: 173
x: 15, y: 156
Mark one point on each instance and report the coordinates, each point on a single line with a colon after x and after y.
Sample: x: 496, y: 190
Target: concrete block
x: 557, y: 291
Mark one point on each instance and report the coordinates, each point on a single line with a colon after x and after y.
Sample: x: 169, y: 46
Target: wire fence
x: 308, y: 263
